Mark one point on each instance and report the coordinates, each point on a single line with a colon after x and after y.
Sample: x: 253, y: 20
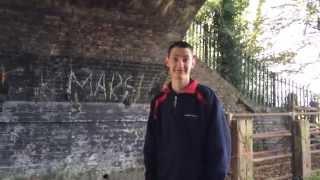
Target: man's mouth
x: 179, y: 71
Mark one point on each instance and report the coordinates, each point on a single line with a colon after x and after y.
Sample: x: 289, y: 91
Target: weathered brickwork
x: 27, y: 77
x: 94, y: 28
x: 73, y: 115
x: 38, y: 138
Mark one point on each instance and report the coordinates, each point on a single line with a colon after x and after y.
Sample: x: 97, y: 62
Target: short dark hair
x: 179, y: 44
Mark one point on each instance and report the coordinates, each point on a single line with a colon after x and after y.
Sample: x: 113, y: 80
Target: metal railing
x: 267, y: 88
x: 258, y: 84
x: 204, y: 39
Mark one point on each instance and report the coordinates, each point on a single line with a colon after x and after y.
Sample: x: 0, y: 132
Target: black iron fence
x: 260, y: 85
x: 267, y: 88
x: 204, y: 39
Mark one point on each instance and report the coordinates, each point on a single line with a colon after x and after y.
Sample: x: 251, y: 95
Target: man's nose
x: 180, y: 63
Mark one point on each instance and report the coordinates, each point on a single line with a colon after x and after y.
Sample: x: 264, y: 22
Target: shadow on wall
x: 3, y: 87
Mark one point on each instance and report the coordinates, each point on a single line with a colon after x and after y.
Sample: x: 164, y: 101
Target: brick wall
x: 40, y: 138
x: 62, y: 115
x: 94, y: 28
x: 28, y: 77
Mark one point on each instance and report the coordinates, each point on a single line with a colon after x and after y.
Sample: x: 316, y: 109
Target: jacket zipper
x: 175, y: 102
x: 175, y: 99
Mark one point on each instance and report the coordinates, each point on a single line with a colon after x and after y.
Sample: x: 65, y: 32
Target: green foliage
x: 228, y: 28
x: 231, y: 28
x: 250, y: 38
x: 312, y: 8
x: 313, y: 17
x: 208, y: 10
x: 231, y: 11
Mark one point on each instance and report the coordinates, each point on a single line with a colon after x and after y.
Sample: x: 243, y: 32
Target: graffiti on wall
x: 113, y: 86
x: 80, y: 84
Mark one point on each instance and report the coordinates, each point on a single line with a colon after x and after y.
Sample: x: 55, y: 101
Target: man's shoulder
x: 158, y: 98
x: 205, y: 90
x: 208, y: 93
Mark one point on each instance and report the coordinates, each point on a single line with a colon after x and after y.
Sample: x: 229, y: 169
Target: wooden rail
x: 272, y: 165
x: 282, y: 133
x: 270, y: 152
x: 315, y: 151
x: 315, y: 131
x: 314, y: 146
x: 298, y: 155
x: 272, y: 157
x: 291, y: 114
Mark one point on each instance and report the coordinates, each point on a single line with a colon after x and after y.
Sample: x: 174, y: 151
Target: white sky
x: 290, y: 37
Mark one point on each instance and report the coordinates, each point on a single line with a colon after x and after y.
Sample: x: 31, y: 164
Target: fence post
x: 301, y: 165
x: 273, y: 84
x: 242, y: 153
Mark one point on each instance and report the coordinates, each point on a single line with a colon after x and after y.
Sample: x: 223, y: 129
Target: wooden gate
x: 275, y: 145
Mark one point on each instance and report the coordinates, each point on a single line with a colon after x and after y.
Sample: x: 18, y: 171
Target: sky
x: 285, y: 29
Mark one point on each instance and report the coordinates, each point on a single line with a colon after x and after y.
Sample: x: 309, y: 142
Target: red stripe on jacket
x: 191, y: 88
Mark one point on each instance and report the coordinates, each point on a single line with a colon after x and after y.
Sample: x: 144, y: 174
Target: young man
x: 187, y: 135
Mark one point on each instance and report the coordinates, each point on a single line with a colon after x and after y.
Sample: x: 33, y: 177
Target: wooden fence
x: 296, y: 157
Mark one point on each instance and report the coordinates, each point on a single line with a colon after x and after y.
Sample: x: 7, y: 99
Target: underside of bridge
x: 94, y: 28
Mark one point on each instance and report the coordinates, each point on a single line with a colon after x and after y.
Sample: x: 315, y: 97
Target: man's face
x: 180, y: 62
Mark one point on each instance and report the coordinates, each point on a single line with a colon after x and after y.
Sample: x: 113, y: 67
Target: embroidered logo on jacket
x: 191, y: 115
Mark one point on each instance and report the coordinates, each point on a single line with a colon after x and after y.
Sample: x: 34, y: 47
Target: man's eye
x: 185, y: 59
x: 175, y: 59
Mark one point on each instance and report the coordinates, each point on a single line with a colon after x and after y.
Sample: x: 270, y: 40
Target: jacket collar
x: 189, y: 89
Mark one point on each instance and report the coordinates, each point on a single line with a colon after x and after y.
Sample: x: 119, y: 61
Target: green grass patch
x: 315, y: 176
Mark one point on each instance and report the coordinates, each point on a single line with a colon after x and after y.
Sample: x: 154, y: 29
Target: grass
x: 315, y: 176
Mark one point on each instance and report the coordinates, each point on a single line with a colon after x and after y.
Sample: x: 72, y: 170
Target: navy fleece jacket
x: 187, y: 136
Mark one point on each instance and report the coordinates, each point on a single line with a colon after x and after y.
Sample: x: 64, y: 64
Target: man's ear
x: 166, y: 61
x: 194, y: 60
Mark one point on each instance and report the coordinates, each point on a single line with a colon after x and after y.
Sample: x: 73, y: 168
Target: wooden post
x: 242, y: 153
x: 301, y: 164
x: 301, y: 159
